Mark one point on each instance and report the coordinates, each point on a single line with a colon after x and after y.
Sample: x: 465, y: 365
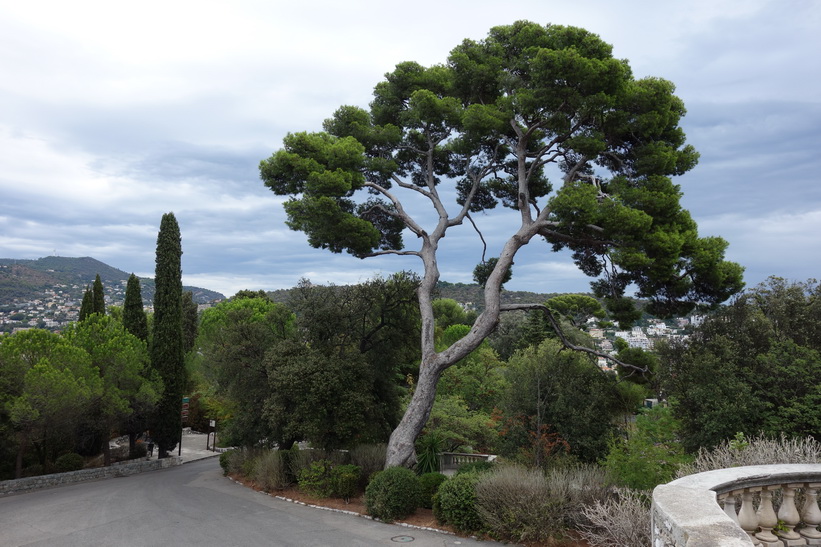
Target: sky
x: 112, y: 114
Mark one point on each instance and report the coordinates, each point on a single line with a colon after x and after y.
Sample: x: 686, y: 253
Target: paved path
x: 188, y: 505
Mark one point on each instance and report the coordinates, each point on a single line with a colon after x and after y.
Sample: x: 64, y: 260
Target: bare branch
x: 484, y: 243
x: 565, y: 342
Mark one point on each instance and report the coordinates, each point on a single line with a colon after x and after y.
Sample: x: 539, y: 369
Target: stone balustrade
x: 449, y: 462
x: 750, y: 506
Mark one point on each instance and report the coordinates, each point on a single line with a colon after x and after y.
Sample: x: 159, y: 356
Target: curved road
x: 191, y: 504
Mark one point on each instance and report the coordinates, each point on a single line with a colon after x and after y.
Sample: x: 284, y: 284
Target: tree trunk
x: 401, y: 447
x: 18, y: 467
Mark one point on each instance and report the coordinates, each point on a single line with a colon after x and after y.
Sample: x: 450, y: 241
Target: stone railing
x: 449, y: 462
x: 735, y: 507
x: 121, y: 469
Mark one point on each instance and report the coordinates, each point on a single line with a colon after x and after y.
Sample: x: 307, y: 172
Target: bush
x: 455, y: 502
x: 579, y: 485
x: 69, y: 462
x: 429, y: 484
x: 345, y: 481
x: 518, y: 504
x: 392, y: 494
x: 239, y: 461
x: 316, y: 479
x: 225, y: 459
x: 428, y: 448
x: 759, y: 450
x: 325, y: 479
x: 370, y: 458
x: 269, y: 471
x: 619, y: 521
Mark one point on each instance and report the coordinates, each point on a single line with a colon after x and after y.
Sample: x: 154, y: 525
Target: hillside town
x: 53, y: 308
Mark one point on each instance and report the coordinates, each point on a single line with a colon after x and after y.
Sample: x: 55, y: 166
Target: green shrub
x: 429, y: 483
x: 475, y: 467
x: 325, y: 479
x: 392, y: 494
x: 345, y: 481
x: 455, y: 502
x: 225, y: 459
x: 269, y: 471
x: 301, y: 459
x: 316, y: 479
x: 68, y: 462
x: 428, y: 448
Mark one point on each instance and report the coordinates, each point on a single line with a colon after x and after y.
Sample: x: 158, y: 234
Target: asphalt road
x: 191, y: 504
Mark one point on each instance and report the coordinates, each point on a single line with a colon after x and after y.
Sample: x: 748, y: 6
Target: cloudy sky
x: 112, y: 114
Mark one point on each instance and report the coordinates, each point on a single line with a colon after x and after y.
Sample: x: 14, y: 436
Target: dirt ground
x: 422, y: 518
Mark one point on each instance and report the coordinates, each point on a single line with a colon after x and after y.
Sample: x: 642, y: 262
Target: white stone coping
x: 685, y: 511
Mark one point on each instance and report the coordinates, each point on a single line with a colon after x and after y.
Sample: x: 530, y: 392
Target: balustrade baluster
x: 767, y: 519
x: 811, y: 515
x: 788, y: 514
x: 747, y: 518
x: 728, y: 503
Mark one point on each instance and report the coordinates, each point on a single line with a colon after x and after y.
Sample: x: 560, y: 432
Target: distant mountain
x: 470, y: 295
x: 27, y: 279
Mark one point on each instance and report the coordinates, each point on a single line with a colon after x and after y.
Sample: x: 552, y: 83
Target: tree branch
x: 484, y: 243
x: 565, y: 342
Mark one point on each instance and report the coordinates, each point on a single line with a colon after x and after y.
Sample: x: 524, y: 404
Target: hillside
x: 470, y: 295
x: 28, y: 279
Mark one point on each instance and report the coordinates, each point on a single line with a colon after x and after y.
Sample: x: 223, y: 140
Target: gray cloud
x: 112, y: 115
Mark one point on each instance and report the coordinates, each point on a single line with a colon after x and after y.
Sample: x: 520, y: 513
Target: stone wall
x: 122, y: 469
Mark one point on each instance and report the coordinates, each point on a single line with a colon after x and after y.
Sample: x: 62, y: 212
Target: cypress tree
x: 134, y: 319
x: 86, y: 308
x: 190, y: 321
x: 167, y: 340
x: 98, y: 300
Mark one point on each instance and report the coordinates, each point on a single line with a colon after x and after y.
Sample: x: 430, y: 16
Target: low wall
x: 122, y: 469
x: 685, y: 512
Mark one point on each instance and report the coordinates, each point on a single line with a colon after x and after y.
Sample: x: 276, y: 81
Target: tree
x: 234, y: 337
x: 46, y: 384
x: 98, y: 297
x: 483, y: 128
x: 134, y: 318
x: 376, y: 321
x: 121, y: 359
x: 749, y: 367
x: 87, y: 305
x: 190, y: 321
x: 565, y: 391
x: 319, y: 398
x: 167, y: 356
x: 577, y: 308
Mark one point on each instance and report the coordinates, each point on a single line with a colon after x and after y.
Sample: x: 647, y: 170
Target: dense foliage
x: 749, y: 368
x: 167, y: 351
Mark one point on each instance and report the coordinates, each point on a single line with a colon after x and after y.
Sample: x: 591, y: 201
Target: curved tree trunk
x: 401, y: 450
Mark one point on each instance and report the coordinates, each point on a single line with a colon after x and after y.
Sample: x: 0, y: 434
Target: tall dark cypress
x: 87, y: 306
x: 167, y: 339
x: 98, y: 300
x: 134, y: 319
